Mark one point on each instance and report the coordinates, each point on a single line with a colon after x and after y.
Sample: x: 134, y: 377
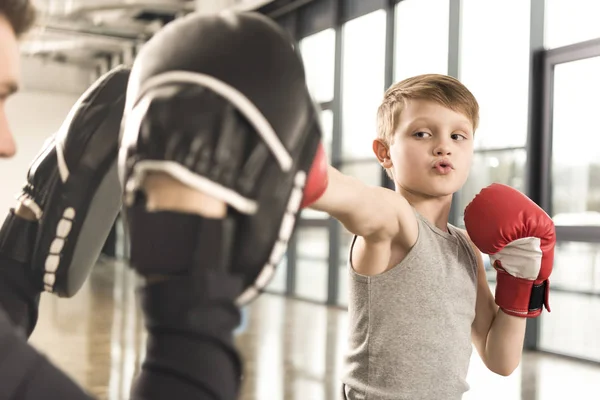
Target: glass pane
x: 327, y: 124
x: 312, y: 263
x: 421, y: 53
x: 367, y: 172
x: 576, y: 144
x: 576, y: 267
x: 571, y: 21
x: 556, y: 378
x: 318, y: 53
x: 278, y: 283
x: 362, y: 82
x: 312, y: 243
x: 342, y: 299
x: 344, y: 245
x: 507, y: 167
x: 494, y: 65
x: 572, y: 327
x: 344, y: 254
x: 308, y: 213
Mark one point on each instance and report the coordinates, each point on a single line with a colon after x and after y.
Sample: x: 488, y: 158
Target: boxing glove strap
x: 539, y: 297
x: 520, y: 297
x: 17, y: 238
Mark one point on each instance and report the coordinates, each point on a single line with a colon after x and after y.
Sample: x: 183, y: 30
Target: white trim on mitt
x: 198, y: 182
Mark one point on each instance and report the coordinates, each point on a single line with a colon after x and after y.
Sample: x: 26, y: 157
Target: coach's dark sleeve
x: 18, y: 300
x: 25, y: 374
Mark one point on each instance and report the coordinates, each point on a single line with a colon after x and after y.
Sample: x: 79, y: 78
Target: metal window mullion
x: 454, y: 71
x: 290, y: 279
x: 333, y: 275
x: 535, y: 155
x: 390, y: 64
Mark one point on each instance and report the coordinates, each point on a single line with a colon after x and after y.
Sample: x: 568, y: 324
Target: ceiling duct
x: 83, y: 31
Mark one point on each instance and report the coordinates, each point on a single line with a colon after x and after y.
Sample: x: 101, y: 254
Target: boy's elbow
x: 504, y: 370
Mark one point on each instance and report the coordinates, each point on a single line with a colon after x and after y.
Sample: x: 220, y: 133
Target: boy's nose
x: 442, y: 150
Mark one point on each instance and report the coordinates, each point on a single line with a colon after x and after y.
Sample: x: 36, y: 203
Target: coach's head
x: 16, y: 17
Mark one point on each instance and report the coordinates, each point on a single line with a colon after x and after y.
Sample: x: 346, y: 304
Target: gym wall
x: 48, y: 92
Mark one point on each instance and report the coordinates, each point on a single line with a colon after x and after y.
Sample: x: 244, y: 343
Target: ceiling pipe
x: 160, y: 6
x: 127, y: 34
x: 92, y: 34
x: 82, y: 11
x: 250, y: 5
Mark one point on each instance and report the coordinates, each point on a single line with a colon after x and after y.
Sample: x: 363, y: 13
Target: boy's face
x: 9, y: 78
x: 432, y: 150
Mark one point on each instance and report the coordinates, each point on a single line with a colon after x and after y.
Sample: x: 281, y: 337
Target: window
x: 421, y: 41
x: 577, y: 266
x: 507, y: 167
x: 312, y: 263
x: 344, y: 254
x: 571, y: 21
x: 318, y: 53
x: 494, y: 65
x: 368, y: 172
x: 362, y: 83
x: 278, y: 283
x: 573, y: 326
x: 576, y: 144
x: 327, y: 126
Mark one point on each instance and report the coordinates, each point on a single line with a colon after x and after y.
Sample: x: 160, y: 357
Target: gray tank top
x: 410, y: 327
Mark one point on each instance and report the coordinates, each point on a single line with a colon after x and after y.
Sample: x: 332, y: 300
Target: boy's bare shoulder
x: 401, y: 225
x: 377, y: 253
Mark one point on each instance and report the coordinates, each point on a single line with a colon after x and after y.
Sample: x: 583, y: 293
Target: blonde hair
x: 442, y: 89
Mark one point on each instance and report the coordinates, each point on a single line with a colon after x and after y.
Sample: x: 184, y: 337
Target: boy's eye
x: 456, y: 136
x: 422, y: 134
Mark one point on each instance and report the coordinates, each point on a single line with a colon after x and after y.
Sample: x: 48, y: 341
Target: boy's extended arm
x: 367, y: 211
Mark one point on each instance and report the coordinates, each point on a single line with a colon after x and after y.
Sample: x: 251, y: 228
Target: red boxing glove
x: 317, y: 178
x: 519, y: 238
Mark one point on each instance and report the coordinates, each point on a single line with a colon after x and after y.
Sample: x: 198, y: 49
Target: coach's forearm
x: 504, y: 345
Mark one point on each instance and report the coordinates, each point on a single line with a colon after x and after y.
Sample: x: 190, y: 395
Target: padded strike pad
x: 83, y: 203
x: 74, y: 229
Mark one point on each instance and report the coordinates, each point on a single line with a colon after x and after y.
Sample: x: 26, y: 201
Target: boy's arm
x: 519, y: 237
x: 498, y: 337
x: 374, y: 213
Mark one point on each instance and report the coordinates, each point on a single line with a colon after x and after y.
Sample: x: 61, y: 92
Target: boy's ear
x: 382, y: 152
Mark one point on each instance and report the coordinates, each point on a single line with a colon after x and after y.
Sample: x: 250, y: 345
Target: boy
x: 417, y: 285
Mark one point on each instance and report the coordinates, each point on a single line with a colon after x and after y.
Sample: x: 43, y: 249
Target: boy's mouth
x: 443, y: 166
